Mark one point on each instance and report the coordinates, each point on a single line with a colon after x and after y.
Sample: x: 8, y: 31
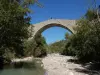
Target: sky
x: 58, y: 9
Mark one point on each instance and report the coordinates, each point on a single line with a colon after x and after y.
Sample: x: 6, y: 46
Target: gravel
x: 56, y: 64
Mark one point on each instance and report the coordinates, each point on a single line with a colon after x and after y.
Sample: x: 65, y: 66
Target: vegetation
x: 36, y: 47
x: 57, y: 47
x: 40, y: 49
x: 29, y: 47
x: 85, y: 43
x: 67, y: 50
x: 14, y: 24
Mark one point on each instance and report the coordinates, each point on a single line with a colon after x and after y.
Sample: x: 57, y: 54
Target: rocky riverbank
x: 56, y: 64
x: 27, y: 59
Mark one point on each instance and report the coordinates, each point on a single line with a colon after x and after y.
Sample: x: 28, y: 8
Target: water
x: 30, y: 68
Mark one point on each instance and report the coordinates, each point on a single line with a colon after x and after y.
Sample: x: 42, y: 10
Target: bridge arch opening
x: 42, y: 29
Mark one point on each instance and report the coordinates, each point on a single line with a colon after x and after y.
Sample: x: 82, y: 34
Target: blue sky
x: 59, y: 9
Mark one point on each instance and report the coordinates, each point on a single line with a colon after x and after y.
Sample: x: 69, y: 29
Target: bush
x: 85, y: 43
x: 68, y: 50
x: 41, y: 47
x: 57, y: 47
x: 36, y: 47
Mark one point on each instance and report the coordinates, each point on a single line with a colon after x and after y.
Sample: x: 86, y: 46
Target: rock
x: 56, y: 64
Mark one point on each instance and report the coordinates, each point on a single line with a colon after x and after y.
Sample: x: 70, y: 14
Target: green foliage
x: 41, y: 47
x: 14, y: 24
x: 85, y: 43
x: 91, y: 14
x: 57, y: 47
x: 67, y: 35
x: 29, y: 47
x: 68, y: 49
x: 36, y: 47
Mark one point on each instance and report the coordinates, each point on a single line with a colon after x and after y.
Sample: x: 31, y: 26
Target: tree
x: 14, y: 24
x: 85, y: 42
x: 36, y: 47
x: 41, y: 48
x: 68, y: 49
x: 29, y: 46
x: 57, y: 47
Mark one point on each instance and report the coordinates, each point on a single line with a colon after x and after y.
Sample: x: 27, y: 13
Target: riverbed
x: 52, y: 64
x: 56, y: 64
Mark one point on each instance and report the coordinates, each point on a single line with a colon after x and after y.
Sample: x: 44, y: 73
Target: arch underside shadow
x: 49, y: 26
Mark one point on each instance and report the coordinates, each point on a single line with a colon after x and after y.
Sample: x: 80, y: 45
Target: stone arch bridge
x: 40, y: 27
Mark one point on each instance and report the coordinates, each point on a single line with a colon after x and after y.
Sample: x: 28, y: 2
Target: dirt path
x: 56, y: 64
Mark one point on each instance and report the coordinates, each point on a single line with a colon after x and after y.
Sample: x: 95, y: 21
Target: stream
x: 26, y: 68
